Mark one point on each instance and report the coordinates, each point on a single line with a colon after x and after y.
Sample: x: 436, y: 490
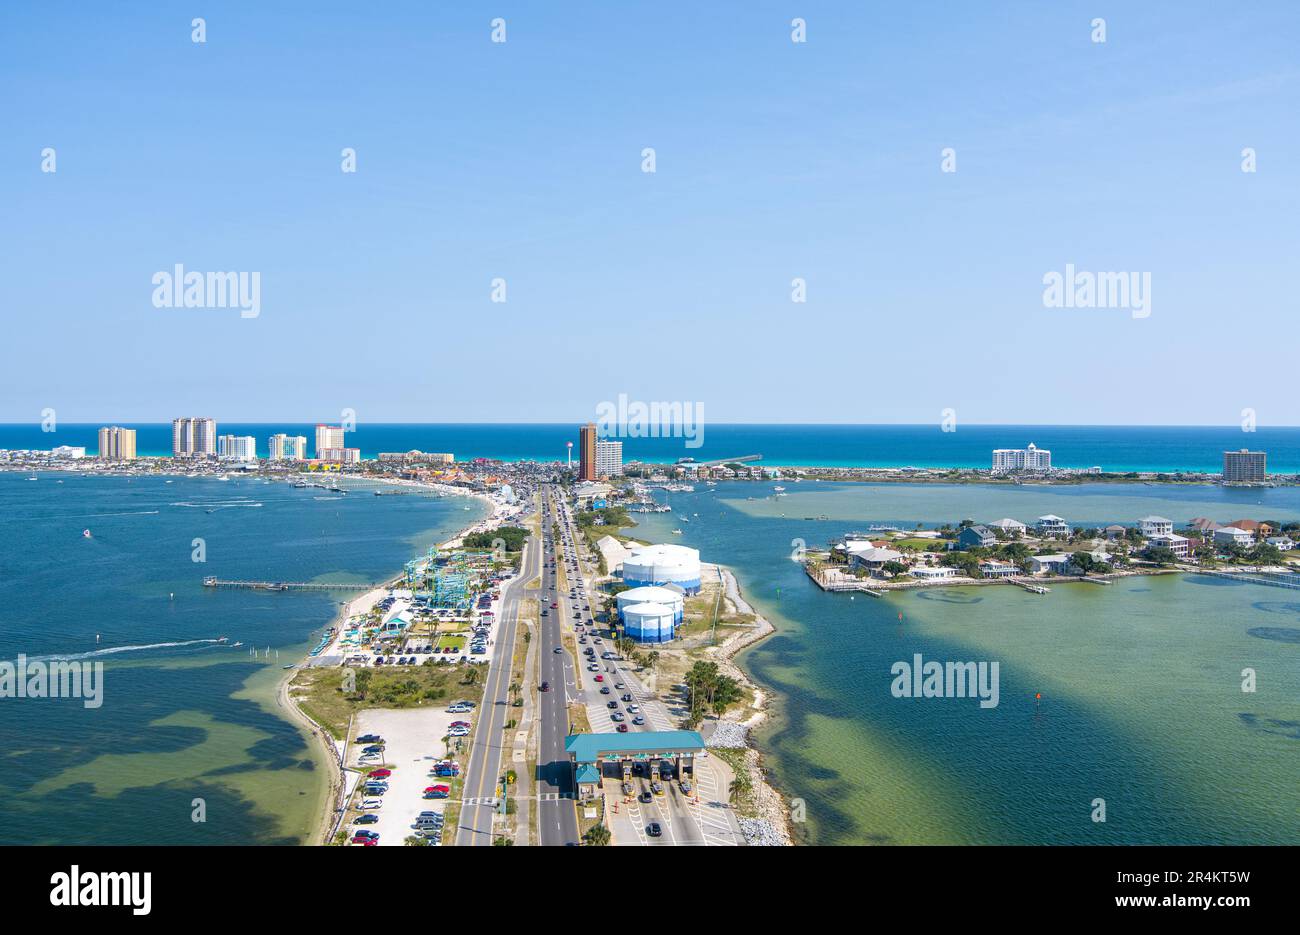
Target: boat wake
x: 131, y: 513
x: 215, y: 504
x: 112, y: 650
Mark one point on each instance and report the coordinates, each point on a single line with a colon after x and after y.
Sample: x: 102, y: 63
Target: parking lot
x: 413, y: 744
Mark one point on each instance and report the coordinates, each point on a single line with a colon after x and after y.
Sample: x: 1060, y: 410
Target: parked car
x: 367, y: 819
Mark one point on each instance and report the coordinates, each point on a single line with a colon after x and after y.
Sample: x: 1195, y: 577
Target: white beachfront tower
x: 1033, y: 458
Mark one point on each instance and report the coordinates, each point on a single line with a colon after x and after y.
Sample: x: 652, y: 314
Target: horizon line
x: 125, y: 423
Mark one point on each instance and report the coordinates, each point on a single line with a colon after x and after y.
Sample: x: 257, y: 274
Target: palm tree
x: 739, y: 788
x: 597, y: 836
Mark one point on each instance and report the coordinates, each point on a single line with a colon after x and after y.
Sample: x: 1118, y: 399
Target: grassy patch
x: 319, y: 692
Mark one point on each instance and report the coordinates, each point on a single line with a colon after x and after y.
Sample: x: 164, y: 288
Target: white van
x: 370, y: 805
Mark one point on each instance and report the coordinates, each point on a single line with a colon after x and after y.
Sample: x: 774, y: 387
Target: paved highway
x: 479, y: 792
x: 557, y: 819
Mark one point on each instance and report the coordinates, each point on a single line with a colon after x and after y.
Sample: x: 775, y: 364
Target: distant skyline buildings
x: 284, y: 447
x: 117, y: 443
x: 587, y: 452
x: 1033, y: 458
x: 1245, y: 466
x: 194, y: 437
x: 237, y: 447
x: 328, y: 437
x: 609, y: 458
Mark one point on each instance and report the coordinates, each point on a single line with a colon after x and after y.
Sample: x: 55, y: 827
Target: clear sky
x: 775, y: 160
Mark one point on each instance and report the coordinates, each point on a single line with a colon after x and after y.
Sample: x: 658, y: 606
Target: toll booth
x: 588, y: 753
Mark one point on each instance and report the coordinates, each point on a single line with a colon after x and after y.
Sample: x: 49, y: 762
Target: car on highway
x: 604, y: 689
x: 600, y: 678
x: 616, y: 717
x: 612, y: 705
x: 653, y: 830
x: 593, y: 668
x: 657, y: 788
x: 558, y: 649
x: 645, y: 797
x: 622, y: 728
x: 545, y: 686
x: 545, y: 612
x: 686, y: 787
x: 638, y: 720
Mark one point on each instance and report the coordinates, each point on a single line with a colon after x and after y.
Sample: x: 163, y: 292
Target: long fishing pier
x: 1254, y: 577
x: 214, y: 582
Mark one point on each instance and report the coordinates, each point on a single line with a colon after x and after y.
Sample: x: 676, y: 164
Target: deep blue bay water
x: 182, y: 717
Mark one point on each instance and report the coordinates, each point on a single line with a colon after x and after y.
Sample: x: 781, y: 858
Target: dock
x: 213, y: 582
x: 1272, y: 581
x: 1029, y: 585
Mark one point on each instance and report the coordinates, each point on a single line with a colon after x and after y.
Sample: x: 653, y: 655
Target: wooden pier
x: 214, y: 582
x: 1272, y: 581
x: 1029, y: 585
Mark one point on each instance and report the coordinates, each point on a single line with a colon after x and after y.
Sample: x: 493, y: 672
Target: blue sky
x: 775, y: 160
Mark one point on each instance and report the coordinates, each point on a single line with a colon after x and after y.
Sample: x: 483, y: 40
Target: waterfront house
x: 1012, y: 527
x: 998, y: 570
x: 1115, y: 531
x: 1179, y: 545
x: 1230, y: 534
x: 1155, y: 526
x: 1052, y: 527
x: 874, y: 559
x: 1203, y: 526
x: 976, y: 537
x: 1254, y: 527
x: 1281, y: 543
x: 925, y: 573
x: 1057, y: 563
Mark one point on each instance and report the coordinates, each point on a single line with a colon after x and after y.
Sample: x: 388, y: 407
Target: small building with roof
x: 661, y: 752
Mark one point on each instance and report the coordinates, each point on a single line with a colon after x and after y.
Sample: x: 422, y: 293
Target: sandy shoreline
x: 771, y: 805
x: 362, y: 603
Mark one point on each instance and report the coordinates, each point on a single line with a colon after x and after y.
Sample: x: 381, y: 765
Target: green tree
x: 597, y: 836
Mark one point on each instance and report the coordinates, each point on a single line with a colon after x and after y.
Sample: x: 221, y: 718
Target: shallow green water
x: 1142, y: 704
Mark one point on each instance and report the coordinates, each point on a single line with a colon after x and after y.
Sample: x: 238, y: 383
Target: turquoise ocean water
x: 1114, y: 448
